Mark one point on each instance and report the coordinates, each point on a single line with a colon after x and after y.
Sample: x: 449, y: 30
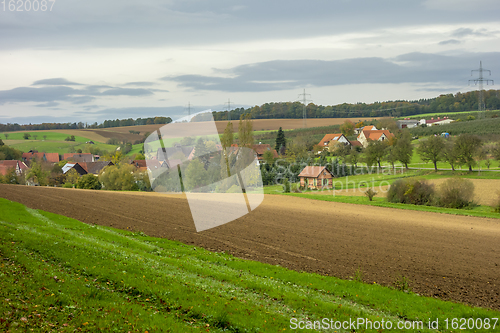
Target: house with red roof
x: 78, y: 157
x: 339, y: 137
x: 316, y: 177
x: 7, y: 165
x: 379, y: 135
x: 41, y: 157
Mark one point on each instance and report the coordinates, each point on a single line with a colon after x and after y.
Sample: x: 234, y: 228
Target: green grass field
x: 59, y: 274
x: 60, y: 147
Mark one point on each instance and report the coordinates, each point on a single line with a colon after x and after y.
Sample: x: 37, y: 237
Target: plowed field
x: 450, y: 257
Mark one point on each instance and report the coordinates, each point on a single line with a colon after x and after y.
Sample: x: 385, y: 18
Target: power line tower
x: 228, y: 107
x: 304, y: 111
x: 480, y: 80
x: 189, y: 108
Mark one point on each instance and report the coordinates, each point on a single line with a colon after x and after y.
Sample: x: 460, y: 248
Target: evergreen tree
x: 280, y: 140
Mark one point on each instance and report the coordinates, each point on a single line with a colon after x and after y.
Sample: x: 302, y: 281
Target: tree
x: 195, y: 175
x: 245, y: 131
x: 72, y: 176
x: 119, y: 177
x: 495, y: 151
x: 403, y: 147
x: 89, y: 182
x: 35, y: 136
x: 391, y: 156
x: 201, y: 152
x: 37, y: 174
x: 431, y: 150
x: 450, y: 154
x: 26, y: 136
x: 227, y: 138
x: 466, y: 146
x: 375, y: 152
x: 45, y: 137
x: 347, y: 128
x: 6, y: 136
x: 387, y: 123
x: 353, y: 157
x: 268, y: 157
x: 280, y: 140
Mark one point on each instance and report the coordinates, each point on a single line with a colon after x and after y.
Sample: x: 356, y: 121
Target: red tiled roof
x: 312, y: 171
x: 262, y: 148
x: 4, y: 169
x: 375, y: 135
x: 139, y: 163
x: 329, y: 137
x: 49, y: 157
x: 356, y: 143
x: 87, y: 157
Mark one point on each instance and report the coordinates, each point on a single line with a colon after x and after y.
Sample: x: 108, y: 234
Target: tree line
x: 399, y: 108
x: 80, y: 125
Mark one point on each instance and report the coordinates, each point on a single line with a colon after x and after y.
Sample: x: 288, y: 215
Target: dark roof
x: 94, y: 167
x: 262, y: 148
x: 78, y: 157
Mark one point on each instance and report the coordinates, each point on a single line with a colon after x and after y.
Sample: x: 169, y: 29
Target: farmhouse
x: 378, y: 135
x: 261, y: 149
x: 17, y: 166
x: 316, y: 177
x: 323, y: 144
x: 84, y: 168
x: 408, y: 123
x: 438, y: 121
x: 78, y: 157
x: 41, y: 157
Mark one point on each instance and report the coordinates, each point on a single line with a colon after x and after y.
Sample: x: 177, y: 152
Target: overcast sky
x: 94, y: 60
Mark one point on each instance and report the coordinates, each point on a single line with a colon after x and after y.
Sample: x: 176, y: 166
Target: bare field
x: 445, y: 256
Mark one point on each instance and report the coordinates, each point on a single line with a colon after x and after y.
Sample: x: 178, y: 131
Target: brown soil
x: 445, y: 256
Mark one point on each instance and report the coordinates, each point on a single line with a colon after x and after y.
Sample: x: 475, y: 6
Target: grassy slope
x: 54, y: 142
x: 61, y: 274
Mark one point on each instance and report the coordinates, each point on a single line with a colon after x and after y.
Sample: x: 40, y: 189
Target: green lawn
x: 60, y: 147
x: 58, y: 274
x: 50, y: 136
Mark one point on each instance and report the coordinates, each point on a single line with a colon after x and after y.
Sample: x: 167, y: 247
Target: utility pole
x: 480, y: 80
x: 304, y: 111
x: 189, y: 108
x: 228, y: 109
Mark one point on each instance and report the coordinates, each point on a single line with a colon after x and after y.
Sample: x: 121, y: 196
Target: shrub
x: 370, y: 193
x: 496, y: 205
x: 411, y: 191
x: 456, y: 193
x: 89, y: 182
x: 286, y: 186
x: 67, y: 185
x: 113, y: 141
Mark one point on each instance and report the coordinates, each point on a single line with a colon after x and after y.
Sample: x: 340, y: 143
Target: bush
x: 113, y: 141
x: 286, y: 186
x: 67, y: 185
x: 496, y: 205
x: 370, y: 193
x: 456, y: 193
x: 89, y: 182
x: 411, y: 191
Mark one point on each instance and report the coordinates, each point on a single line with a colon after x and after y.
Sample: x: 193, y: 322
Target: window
x: 314, y: 182
x: 325, y: 182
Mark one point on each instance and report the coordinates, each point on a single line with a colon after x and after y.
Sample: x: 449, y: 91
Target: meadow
x: 59, y: 274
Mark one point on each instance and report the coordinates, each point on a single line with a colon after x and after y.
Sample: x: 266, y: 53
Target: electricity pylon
x: 480, y: 80
x: 304, y: 111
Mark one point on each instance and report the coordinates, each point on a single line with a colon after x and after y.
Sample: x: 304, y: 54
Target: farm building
x: 84, y: 168
x: 261, y: 149
x: 438, y: 121
x: 378, y: 135
x: 408, y: 123
x: 78, y: 157
x: 316, y: 177
x: 333, y: 137
x: 17, y: 166
x: 43, y: 157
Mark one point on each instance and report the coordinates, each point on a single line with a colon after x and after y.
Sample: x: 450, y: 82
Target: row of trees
x: 80, y: 125
x: 443, y: 103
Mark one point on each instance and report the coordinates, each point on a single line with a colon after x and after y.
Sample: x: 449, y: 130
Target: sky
x: 91, y: 60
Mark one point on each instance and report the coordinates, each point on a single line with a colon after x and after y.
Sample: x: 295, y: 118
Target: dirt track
x: 450, y: 257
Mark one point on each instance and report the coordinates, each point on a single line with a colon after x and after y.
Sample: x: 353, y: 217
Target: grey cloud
x: 291, y: 74
x: 57, y: 93
x: 463, y: 32
x: 140, y: 84
x: 56, y: 82
x: 127, y: 92
x: 450, y: 41
x: 47, y: 105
